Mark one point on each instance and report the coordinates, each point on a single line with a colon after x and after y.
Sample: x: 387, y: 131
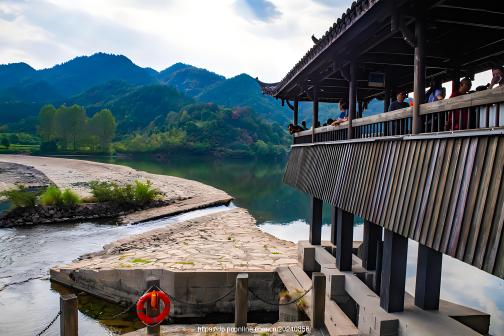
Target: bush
x: 144, y: 192
x: 20, y: 197
x: 70, y: 198
x: 51, y: 196
x: 137, y: 193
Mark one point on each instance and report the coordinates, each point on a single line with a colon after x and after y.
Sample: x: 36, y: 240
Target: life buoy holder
x: 152, y: 299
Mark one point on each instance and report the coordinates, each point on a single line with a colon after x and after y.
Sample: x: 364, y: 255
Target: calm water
x: 257, y: 186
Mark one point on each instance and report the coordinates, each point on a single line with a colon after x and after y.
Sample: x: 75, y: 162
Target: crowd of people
x: 456, y: 119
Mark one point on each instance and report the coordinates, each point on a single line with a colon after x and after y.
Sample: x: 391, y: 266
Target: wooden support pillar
x: 241, y: 300
x: 419, y: 74
x: 428, y: 278
x: 296, y: 112
x: 360, y: 106
x: 455, y: 81
x: 318, y: 300
x: 344, y: 240
x: 69, y: 317
x: 372, y: 234
x: 315, y: 110
x: 155, y: 330
x: 387, y: 96
x: 352, y: 99
x: 316, y: 221
x: 393, y: 277
x: 378, y: 272
x: 334, y: 221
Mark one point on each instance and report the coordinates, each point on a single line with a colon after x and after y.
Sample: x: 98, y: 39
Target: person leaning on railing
x: 497, y: 77
x: 458, y: 119
x: 343, y: 116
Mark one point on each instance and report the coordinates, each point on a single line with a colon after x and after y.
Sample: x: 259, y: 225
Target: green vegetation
x: 138, y: 193
x: 69, y: 198
x: 5, y: 142
x: 140, y: 261
x: 20, y: 197
x: 51, y: 196
x: 69, y: 128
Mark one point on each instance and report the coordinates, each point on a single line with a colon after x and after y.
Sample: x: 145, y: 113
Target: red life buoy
x: 150, y: 297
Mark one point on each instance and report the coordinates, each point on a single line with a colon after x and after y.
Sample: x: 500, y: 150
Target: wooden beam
x: 352, y: 99
x: 316, y: 221
x: 296, y: 111
x: 315, y: 110
x: 419, y: 74
x: 393, y: 278
x: 372, y: 234
x: 334, y: 222
x: 428, y: 278
x: 344, y: 240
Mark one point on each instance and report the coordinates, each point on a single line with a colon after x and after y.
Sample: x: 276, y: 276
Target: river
x: 257, y: 187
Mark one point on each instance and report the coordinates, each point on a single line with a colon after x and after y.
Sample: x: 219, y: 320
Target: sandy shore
x: 76, y: 174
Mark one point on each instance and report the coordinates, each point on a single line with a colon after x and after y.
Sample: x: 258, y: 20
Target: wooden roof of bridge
x: 463, y: 36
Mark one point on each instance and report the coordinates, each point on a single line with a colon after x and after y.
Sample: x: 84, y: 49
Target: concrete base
x: 188, y: 288
x: 450, y: 319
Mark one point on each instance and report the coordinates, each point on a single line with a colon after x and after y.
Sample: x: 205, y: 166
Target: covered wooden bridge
x: 408, y: 173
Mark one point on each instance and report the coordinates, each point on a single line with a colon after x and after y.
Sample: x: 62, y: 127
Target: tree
x: 47, y: 123
x: 5, y: 142
x: 102, y: 128
x: 71, y: 125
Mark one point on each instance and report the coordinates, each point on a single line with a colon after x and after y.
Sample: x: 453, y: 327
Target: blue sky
x: 264, y: 38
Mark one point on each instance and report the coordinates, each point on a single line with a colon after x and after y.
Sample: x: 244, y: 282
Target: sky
x: 263, y: 38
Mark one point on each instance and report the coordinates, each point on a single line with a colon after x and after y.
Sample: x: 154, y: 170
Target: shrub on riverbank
x: 20, y: 197
x: 53, y: 196
x: 139, y: 193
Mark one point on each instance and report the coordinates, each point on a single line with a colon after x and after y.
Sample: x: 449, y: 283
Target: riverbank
x: 180, y: 194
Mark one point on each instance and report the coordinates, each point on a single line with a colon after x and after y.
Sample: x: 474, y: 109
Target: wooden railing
x: 477, y: 110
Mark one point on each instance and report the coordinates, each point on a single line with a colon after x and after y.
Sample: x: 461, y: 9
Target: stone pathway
x: 225, y: 241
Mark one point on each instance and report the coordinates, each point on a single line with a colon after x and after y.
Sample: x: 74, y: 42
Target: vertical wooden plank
x: 241, y: 300
x: 475, y: 230
x: 435, y: 202
x: 446, y: 194
x: 428, y: 278
x: 425, y: 189
x: 316, y: 221
x: 497, y: 216
x: 344, y: 240
x: 461, y: 200
x: 334, y: 225
x: 69, y: 320
x: 396, y: 215
x: 397, y: 151
x: 428, y: 202
x: 393, y: 278
x: 396, y: 186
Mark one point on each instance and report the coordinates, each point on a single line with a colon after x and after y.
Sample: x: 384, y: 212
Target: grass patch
x: 276, y: 253
x: 140, y: 261
x: 184, y: 263
x: 51, y: 196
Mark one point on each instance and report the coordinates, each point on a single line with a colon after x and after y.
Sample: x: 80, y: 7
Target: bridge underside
x: 444, y: 191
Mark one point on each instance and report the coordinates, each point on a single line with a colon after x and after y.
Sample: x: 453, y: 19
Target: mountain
x: 244, y: 91
x: 14, y: 74
x: 188, y: 79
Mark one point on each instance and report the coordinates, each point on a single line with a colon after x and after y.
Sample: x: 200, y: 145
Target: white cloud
x: 210, y: 34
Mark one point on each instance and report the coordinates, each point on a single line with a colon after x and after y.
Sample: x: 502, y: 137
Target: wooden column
x: 393, y: 278
x: 360, y: 108
x: 69, y: 318
x: 344, y: 240
x: 378, y: 272
x: 352, y: 99
x: 241, y: 300
x: 316, y: 221
x: 334, y: 221
x: 387, y: 96
x: 315, y: 110
x: 318, y: 300
x: 428, y: 278
x: 154, y: 330
x: 372, y: 234
x: 419, y: 74
x: 296, y: 111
